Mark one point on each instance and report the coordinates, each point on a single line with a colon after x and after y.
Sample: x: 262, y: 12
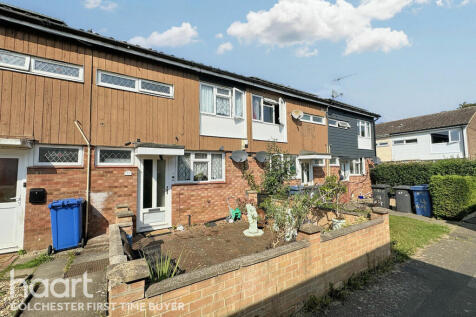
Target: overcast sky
x: 402, y: 57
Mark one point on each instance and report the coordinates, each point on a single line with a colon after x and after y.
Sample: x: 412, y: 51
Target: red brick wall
x: 272, y: 287
x: 206, y: 202
x: 109, y: 187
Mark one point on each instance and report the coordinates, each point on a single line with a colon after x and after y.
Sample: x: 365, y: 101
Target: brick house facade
x: 162, y: 131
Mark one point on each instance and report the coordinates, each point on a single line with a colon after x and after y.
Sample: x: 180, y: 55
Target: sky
x: 398, y: 58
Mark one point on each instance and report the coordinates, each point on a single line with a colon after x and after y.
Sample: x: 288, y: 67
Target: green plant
x: 21, y: 252
x: 453, y: 196
x: 162, y: 266
x: 416, y: 173
x: 287, y: 216
x: 69, y: 262
x: 328, y: 195
x: 200, y: 177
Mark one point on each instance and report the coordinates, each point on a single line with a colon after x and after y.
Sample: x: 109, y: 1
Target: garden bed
x: 203, y: 246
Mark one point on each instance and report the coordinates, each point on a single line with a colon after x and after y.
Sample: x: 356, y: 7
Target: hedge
x: 416, y: 173
x: 453, y: 196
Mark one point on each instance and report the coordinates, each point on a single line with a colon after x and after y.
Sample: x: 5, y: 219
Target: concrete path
x: 439, y: 281
x: 89, y: 301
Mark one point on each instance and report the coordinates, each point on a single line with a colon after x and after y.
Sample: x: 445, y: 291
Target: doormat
x: 90, y: 267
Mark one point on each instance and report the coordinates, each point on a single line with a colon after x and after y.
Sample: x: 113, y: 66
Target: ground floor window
x: 355, y: 167
x: 306, y: 173
x: 113, y: 157
x: 58, y: 155
x: 201, y: 167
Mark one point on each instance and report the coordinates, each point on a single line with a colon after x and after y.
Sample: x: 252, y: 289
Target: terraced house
x: 87, y: 116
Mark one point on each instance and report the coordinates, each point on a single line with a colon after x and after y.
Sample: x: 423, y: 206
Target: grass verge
x: 407, y: 235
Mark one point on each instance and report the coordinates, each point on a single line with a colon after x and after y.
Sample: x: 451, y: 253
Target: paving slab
x: 440, y: 280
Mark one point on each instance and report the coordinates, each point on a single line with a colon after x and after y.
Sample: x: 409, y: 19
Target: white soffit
x: 158, y: 151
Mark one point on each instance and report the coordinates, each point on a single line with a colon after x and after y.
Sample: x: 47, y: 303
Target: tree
x: 466, y: 105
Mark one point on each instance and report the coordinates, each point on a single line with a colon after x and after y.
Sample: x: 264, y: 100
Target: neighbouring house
x: 443, y: 135
x: 161, y: 131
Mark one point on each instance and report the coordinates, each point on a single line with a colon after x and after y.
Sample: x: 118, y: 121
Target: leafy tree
x: 466, y: 105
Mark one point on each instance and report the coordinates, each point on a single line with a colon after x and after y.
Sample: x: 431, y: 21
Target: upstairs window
x: 133, y: 84
x: 440, y: 137
x: 13, y: 60
x: 268, y: 110
x: 222, y: 101
x: 338, y: 124
x: 406, y: 141
x: 41, y: 66
x: 365, y: 129
x: 56, y: 69
x: 313, y: 119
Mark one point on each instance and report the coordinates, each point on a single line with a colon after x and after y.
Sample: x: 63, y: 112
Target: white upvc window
x: 200, y: 167
x: 313, y: 119
x: 14, y: 60
x: 338, y: 123
x: 365, y: 129
x: 108, y: 156
x: 139, y: 85
x: 382, y: 144
x: 219, y: 101
x: 318, y: 162
x: 334, y: 161
x: 58, y: 155
x: 57, y: 69
x: 454, y: 136
x: 356, y: 167
x: 268, y: 110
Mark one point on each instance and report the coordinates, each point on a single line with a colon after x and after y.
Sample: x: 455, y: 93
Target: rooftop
x: 13, y: 15
x: 427, y: 122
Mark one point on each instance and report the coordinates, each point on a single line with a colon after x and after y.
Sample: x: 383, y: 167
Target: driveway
x: 439, y: 281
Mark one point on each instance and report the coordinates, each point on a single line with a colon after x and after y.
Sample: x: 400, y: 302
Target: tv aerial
x: 336, y: 94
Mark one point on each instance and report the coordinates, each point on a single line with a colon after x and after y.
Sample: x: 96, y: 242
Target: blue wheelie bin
x: 421, y: 198
x: 66, y: 224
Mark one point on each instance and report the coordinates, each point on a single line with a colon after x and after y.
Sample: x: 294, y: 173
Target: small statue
x: 253, y: 230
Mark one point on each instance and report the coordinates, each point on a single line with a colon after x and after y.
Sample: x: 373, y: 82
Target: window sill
x: 57, y: 166
x: 267, y: 123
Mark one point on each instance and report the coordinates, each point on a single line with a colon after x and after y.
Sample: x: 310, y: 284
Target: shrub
x: 453, y: 196
x: 416, y: 173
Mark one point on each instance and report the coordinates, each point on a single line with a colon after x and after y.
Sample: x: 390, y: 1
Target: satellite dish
x: 261, y: 156
x: 297, y: 114
x: 239, y: 156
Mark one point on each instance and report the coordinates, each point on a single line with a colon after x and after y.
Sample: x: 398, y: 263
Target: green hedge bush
x: 416, y: 173
x: 453, y: 196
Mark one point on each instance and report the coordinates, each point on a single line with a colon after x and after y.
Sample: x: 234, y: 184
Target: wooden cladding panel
x: 39, y: 107
x: 301, y: 135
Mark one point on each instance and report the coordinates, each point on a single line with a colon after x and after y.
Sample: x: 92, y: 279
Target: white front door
x: 12, y: 174
x: 154, y: 210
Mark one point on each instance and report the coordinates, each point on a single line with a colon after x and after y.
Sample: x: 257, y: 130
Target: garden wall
x: 275, y: 281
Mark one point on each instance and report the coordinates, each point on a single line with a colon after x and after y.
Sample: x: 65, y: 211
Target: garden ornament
x: 253, y: 230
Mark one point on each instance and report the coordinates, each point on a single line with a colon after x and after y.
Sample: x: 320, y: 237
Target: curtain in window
x: 206, y: 99
x: 238, y: 104
x: 200, y: 171
x: 217, y: 166
x: 256, y: 108
x: 223, y: 106
x: 183, y: 168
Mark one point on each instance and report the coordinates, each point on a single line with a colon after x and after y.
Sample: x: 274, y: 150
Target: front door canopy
x: 159, y: 149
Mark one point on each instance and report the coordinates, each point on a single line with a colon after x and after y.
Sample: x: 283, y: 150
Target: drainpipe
x: 78, y: 125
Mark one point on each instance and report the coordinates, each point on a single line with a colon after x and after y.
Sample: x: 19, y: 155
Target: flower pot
x: 261, y: 218
x: 337, y: 223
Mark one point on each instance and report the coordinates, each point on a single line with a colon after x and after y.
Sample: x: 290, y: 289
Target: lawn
x: 408, y: 235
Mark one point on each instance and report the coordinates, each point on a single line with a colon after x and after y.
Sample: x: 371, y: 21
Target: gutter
x: 197, y: 69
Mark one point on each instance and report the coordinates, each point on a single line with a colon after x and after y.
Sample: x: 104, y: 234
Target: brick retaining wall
x: 273, y: 282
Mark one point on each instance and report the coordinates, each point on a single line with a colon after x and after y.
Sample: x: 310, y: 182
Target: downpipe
x: 78, y: 125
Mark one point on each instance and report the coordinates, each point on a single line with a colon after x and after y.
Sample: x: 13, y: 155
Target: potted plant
x: 200, y: 177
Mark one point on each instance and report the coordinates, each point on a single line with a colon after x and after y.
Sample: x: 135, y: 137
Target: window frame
x: 243, y: 105
x: 231, y: 98
x: 154, y: 93
x: 269, y: 103
x: 405, y: 141
x: 367, y: 129
x: 101, y: 164
x: 208, y: 160
x: 451, y: 139
x: 439, y: 132
x: 80, y: 77
x: 311, y: 116
x: 108, y: 85
x: 25, y: 67
x: 37, y: 162
x: 335, y: 125
x: 337, y: 163
x: 382, y: 144
x: 353, y: 167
